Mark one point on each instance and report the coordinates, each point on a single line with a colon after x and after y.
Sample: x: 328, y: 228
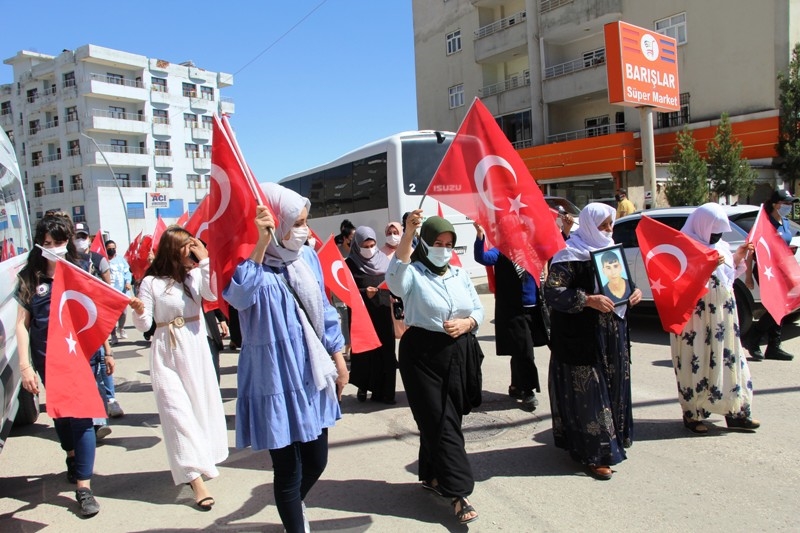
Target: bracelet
x: 24, y: 369
x: 109, y: 355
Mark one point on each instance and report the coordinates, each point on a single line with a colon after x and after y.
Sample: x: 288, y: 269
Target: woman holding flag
x: 590, y: 380
x: 34, y: 290
x: 291, y: 368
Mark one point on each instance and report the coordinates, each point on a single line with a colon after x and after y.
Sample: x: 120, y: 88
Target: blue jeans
x: 98, y: 364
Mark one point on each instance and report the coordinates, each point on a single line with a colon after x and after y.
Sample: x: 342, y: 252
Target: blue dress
x: 278, y: 403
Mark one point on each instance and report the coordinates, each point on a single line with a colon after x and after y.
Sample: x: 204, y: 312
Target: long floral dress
x: 712, y: 373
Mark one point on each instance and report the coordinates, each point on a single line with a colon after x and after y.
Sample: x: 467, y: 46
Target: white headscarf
x: 587, y: 238
x: 707, y: 219
x: 286, y: 206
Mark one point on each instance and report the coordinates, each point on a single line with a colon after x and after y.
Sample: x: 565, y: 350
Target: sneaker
x: 121, y: 333
x: 89, y: 506
x: 71, y: 477
x: 114, y: 409
x: 101, y: 432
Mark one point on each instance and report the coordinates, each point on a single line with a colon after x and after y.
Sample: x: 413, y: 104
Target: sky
x: 313, y: 79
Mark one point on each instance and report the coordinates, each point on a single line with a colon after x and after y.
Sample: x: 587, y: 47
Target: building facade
x: 539, y: 66
x: 101, y: 132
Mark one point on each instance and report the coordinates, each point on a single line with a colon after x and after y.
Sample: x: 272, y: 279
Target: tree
x: 789, y: 129
x: 688, y: 175
x: 729, y: 174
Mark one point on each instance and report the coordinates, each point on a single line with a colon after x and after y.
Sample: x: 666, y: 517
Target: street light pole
x: 116, y: 182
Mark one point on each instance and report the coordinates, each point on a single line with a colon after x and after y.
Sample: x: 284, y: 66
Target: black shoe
x: 529, y: 402
x: 776, y: 353
x: 71, y: 477
x: 742, y: 423
x: 515, y: 393
x: 89, y: 506
x: 361, y: 395
x: 751, y: 345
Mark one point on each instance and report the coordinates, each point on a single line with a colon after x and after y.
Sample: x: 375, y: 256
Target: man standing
x: 624, y: 206
x: 121, y: 280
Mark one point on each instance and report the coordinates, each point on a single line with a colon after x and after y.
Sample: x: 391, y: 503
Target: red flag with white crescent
x: 778, y: 271
x: 483, y: 177
x: 678, y: 268
x: 183, y: 219
x: 98, y: 246
x: 197, y: 224
x: 83, y: 311
x: 339, y: 280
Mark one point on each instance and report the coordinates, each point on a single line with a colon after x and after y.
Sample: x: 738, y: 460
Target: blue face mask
x: 439, y: 255
x: 785, y: 210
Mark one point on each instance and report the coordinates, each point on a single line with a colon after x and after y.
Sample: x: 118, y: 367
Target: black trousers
x: 432, y: 366
x: 524, y: 374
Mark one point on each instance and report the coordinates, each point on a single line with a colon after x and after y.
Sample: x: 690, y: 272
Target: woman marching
x: 182, y: 372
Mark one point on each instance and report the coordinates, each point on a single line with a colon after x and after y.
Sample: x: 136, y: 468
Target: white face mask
x: 607, y: 234
x: 297, y: 238
x: 784, y: 210
x: 368, y: 253
x: 393, y: 240
x: 60, y: 251
x: 439, y: 255
x: 81, y: 244
x: 312, y: 242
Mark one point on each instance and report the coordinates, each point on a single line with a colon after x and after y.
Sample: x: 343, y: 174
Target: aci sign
x: 157, y: 199
x: 642, y: 67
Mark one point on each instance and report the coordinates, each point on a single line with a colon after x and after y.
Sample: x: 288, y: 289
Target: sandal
x: 695, y: 426
x: 204, y: 504
x: 465, y: 510
x: 432, y: 486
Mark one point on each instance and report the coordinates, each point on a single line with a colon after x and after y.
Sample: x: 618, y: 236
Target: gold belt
x: 177, y: 322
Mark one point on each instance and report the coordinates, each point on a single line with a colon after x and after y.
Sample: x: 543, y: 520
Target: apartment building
x: 539, y: 66
x: 99, y: 132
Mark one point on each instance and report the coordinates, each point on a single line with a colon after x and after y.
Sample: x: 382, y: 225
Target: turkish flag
x: 159, y: 230
x: 83, y: 311
x: 198, y: 222
x: 317, y: 241
x: 678, y: 268
x: 183, y: 219
x: 98, y: 246
x: 454, y: 259
x: 483, y: 177
x: 339, y: 280
x: 778, y: 271
x: 133, y: 248
x: 141, y: 262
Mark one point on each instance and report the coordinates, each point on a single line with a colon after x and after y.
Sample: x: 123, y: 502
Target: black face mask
x: 714, y: 238
x: 111, y: 252
x: 617, y: 197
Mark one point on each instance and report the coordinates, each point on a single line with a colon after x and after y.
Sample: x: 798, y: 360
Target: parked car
x: 742, y: 219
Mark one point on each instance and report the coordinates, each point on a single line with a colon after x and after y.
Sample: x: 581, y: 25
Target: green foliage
x: 730, y: 175
x: 688, y: 176
x: 789, y: 130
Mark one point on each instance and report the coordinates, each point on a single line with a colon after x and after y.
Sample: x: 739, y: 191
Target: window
x: 10, y: 135
x: 208, y: 122
x: 33, y: 127
x: 160, y: 116
x: 32, y: 94
x: 207, y: 92
x: 596, y: 126
x: 158, y: 84
x: 174, y: 210
x: 674, y: 26
x: 192, y: 150
x: 116, y: 112
x: 124, y: 179
x: 453, y: 42
x: 135, y: 209
x: 119, y: 146
x: 74, y: 147
x: 518, y: 128
x: 163, y: 179
x: 68, y: 79
x: 206, y: 150
x: 76, y: 181
x: 193, y: 181
x: 38, y: 189
x: 190, y: 90
x: 190, y: 120
x: 162, y: 148
x: 116, y: 79
x: 676, y: 118
x: 36, y: 159
x: 72, y: 113
x: 5, y: 108
x: 78, y: 213
x: 456, y: 95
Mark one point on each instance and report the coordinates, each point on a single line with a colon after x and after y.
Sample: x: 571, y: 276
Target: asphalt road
x: 672, y: 481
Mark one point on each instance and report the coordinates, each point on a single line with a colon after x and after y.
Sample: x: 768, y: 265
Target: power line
x: 276, y: 41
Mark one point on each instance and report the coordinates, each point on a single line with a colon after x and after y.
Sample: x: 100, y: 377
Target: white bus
x: 378, y: 183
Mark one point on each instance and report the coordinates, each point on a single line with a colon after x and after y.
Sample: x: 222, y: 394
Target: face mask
x: 714, y: 238
x: 111, y: 252
x: 439, y: 255
x: 784, y: 210
x: 82, y: 244
x: 60, y: 251
x: 297, y: 237
x: 368, y: 253
x: 312, y: 242
x: 607, y: 234
x: 617, y: 197
x: 393, y: 240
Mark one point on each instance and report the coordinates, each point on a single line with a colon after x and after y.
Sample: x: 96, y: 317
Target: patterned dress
x: 712, y: 373
x: 590, y: 401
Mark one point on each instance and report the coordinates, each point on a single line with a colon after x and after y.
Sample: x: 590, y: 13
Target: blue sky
x: 340, y: 79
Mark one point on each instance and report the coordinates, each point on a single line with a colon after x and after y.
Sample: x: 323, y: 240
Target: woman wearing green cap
x: 439, y: 356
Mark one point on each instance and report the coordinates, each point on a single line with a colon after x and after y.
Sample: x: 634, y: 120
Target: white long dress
x: 182, y: 375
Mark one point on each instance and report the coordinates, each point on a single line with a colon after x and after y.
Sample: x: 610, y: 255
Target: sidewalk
x: 672, y: 481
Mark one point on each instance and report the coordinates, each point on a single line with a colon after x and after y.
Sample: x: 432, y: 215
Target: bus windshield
x: 421, y: 158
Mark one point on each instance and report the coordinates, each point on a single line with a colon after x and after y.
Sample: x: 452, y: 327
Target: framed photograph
x: 612, y: 273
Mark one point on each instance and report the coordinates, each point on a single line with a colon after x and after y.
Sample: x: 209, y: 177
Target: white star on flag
x: 72, y: 342
x: 657, y: 286
x: 516, y: 204
x: 768, y: 272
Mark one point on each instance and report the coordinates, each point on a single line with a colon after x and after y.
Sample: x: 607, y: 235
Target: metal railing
x: 52, y: 157
x: 164, y: 184
x: 117, y: 114
x: 122, y: 183
x: 158, y: 88
x: 513, y: 82
x: 525, y: 143
x: 114, y: 80
x: 77, y: 186
x: 500, y: 25
x: 51, y: 124
x: 549, y: 5
x: 114, y: 148
x: 594, y: 131
x: 68, y: 83
x: 33, y: 130
x: 74, y: 151
x: 589, y: 60
x: 163, y: 152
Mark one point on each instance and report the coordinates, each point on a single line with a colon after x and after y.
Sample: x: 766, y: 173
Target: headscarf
x: 395, y: 225
x: 430, y: 229
x: 707, y: 219
x: 587, y: 238
x: 378, y: 263
x: 385, y: 248
x: 286, y: 206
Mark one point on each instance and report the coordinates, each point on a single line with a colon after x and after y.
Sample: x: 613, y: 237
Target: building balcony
x: 572, y: 20
x: 200, y: 134
x: 7, y: 120
x: 120, y: 89
x: 113, y: 121
x: 589, y: 60
x: 226, y: 105
x: 595, y: 131
x: 163, y: 159
x: 521, y: 79
x: 577, y: 83
x: 161, y: 128
x: 508, y: 95
x: 132, y: 183
x: 502, y: 40
x: 49, y: 162
x: 201, y: 163
x: 159, y: 96
x: 73, y: 126
x: 120, y: 156
x: 201, y: 103
x: 50, y: 130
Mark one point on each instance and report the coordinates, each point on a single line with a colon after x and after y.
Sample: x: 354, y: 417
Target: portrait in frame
x: 612, y: 273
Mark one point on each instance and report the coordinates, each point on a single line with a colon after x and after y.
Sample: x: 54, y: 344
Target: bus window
x: 339, y: 190
x: 369, y: 184
x: 421, y: 158
x: 316, y: 194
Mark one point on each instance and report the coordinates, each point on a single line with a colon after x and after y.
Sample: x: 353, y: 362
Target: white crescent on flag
x: 335, y: 268
x: 224, y: 184
x: 668, y: 249
x: 82, y: 299
x: 482, y: 169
